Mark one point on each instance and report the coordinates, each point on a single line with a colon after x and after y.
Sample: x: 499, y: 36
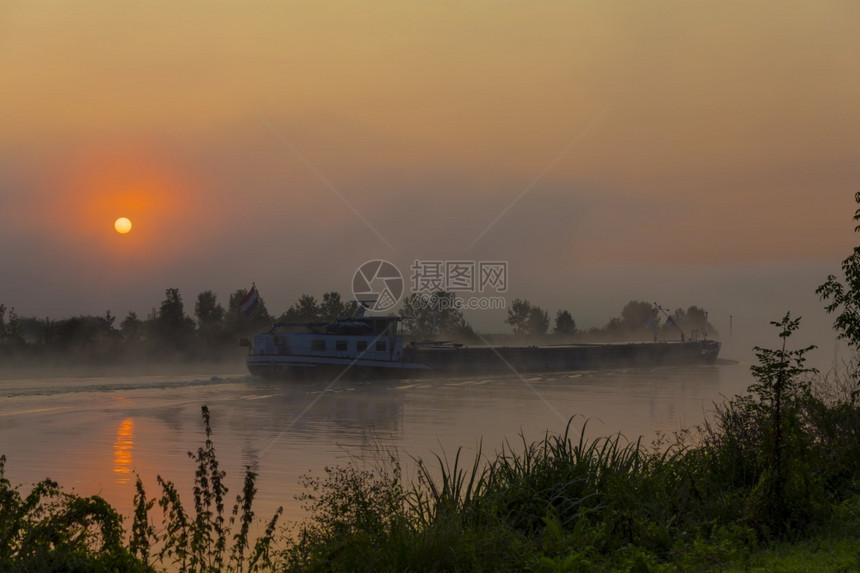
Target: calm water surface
x: 93, y: 435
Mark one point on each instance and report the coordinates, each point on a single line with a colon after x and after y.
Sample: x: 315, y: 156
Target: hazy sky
x: 678, y: 152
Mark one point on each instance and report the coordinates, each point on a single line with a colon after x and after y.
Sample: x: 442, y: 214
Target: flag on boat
x: 251, y: 301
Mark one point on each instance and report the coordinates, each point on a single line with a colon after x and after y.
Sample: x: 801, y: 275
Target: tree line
x: 168, y: 332
x: 440, y: 315
x: 210, y: 330
x: 171, y: 331
x: 638, y: 320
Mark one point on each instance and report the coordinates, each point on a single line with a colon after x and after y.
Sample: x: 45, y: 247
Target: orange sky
x: 712, y: 140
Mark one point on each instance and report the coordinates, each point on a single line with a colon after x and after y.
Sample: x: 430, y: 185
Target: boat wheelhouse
x: 362, y: 346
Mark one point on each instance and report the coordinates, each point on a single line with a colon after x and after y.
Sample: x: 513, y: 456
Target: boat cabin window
x: 380, y: 346
x: 317, y: 344
x: 361, y: 345
x: 340, y: 345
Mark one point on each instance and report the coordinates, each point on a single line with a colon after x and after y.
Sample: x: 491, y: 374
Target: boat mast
x: 669, y: 318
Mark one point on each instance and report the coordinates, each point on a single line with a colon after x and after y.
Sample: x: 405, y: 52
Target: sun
x: 122, y: 225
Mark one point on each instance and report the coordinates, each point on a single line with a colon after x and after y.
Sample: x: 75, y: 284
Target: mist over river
x: 94, y: 434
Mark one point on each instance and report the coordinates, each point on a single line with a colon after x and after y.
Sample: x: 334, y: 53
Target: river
x: 95, y: 434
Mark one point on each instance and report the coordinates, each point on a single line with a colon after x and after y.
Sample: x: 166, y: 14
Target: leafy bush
x: 49, y: 530
x: 201, y: 544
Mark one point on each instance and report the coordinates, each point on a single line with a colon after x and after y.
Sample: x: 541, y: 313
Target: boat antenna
x: 670, y: 320
x: 363, y: 305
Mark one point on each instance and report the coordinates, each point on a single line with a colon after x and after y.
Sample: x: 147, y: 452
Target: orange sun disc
x: 122, y: 225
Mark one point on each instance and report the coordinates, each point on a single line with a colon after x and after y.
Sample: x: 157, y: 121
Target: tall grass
x: 554, y: 502
x: 569, y: 503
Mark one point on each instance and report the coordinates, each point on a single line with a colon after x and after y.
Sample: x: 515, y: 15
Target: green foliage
x: 142, y: 532
x: 203, y: 542
x: 455, y: 495
x: 844, y: 297
x: 50, y: 530
x: 356, y: 512
x: 780, y: 500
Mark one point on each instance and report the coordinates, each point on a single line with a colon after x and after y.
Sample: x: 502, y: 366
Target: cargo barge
x: 371, y: 347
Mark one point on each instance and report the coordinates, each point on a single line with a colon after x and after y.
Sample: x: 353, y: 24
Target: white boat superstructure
x: 365, y: 345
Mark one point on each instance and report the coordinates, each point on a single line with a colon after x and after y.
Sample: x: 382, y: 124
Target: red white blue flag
x: 251, y: 301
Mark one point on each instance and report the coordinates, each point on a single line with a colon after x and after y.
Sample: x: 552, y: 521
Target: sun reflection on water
x: 122, y: 451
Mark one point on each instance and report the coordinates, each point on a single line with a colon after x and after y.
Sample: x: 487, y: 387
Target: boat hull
x: 419, y: 360
x: 289, y: 367
x: 567, y: 357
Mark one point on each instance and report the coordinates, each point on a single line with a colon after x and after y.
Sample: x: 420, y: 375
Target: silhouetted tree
x: 30, y: 331
x: 87, y: 337
x: 518, y: 316
x: 172, y: 325
x: 694, y: 319
x: 638, y: 316
x: 306, y: 309
x: 207, y: 310
x: 527, y: 319
x: 538, y: 322
x: 333, y: 307
x: 692, y: 322
x: 210, y: 321
x: 638, y: 319
x: 9, y: 335
x: 780, y: 385
x: 613, y: 328
x: 436, y: 315
x: 131, y: 328
x: 564, y: 324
